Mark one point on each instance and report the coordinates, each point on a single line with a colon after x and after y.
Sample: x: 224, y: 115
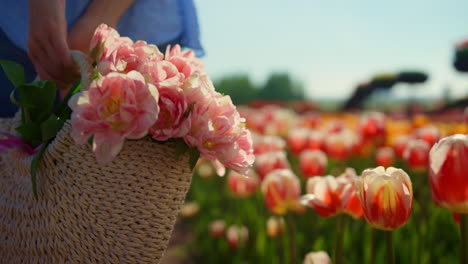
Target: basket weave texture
x: 123, y: 212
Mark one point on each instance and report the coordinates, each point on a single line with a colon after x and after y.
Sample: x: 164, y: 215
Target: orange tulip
x: 312, y: 163
x: 282, y: 190
x: 242, y: 186
x: 448, y: 173
x: 386, y: 196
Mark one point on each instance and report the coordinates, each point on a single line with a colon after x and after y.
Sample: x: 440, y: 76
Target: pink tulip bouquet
x: 137, y: 92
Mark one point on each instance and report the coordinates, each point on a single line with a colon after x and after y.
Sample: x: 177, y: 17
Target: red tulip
x: 429, y: 133
x: 297, y: 140
x: 399, y: 145
x: 340, y: 145
x: 372, y: 126
x: 417, y: 154
x: 269, y: 162
x: 385, y: 156
x: 386, y: 196
x: 242, y: 186
x: 328, y: 195
x: 312, y: 163
x: 281, y: 189
x: 263, y: 144
x: 353, y: 206
x: 448, y: 173
x: 315, y: 140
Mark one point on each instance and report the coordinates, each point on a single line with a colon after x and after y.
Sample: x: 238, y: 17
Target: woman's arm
x: 98, y: 11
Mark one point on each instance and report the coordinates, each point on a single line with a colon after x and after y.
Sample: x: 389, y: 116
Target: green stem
x: 292, y: 238
x: 464, y: 238
x: 340, y: 228
x: 389, y: 247
x: 372, y: 246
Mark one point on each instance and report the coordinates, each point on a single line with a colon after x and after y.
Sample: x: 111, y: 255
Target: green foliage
x: 279, y: 86
x: 239, y: 87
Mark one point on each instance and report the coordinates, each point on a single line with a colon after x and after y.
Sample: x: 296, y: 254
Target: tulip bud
x: 448, y: 173
x: 269, y: 162
x: 281, y: 189
x: 242, y: 186
x: 237, y: 236
x: 205, y: 169
x: 312, y: 163
x: 430, y: 134
x: 327, y: 195
x: 319, y: 257
x: 189, y: 209
x: 417, y: 154
x: 386, y: 196
x: 273, y: 226
x: 217, y: 228
x: 385, y: 156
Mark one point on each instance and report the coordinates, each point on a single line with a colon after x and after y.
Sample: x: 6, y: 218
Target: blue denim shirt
x: 155, y: 21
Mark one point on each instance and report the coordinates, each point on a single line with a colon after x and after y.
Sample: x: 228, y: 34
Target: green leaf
x: 31, y: 133
x: 37, y: 100
x: 51, y: 127
x: 34, y: 164
x: 14, y: 72
x: 193, y: 158
x: 181, y: 148
x: 63, y: 110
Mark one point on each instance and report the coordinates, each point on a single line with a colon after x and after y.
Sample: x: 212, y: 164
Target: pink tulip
x: 116, y: 107
x: 173, y: 119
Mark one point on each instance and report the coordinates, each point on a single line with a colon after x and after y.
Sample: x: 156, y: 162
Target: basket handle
x: 86, y: 69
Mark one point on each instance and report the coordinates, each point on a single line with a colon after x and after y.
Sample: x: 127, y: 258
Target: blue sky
x: 333, y: 45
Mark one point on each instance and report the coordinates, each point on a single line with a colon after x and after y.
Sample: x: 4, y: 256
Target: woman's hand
x: 98, y: 12
x: 47, y: 42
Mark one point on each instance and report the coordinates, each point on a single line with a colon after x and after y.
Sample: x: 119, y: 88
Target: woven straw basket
x: 123, y: 212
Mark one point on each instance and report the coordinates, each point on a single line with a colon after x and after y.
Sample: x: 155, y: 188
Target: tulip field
x: 316, y: 193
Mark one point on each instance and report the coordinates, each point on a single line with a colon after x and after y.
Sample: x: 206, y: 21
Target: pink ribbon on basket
x: 13, y: 141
